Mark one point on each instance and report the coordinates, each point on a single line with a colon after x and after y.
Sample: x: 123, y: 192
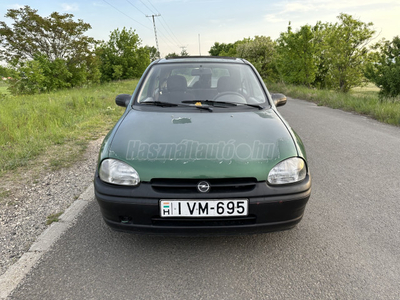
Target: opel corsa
x: 200, y: 150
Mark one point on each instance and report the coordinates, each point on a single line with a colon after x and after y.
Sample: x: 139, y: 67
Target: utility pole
x: 183, y: 49
x: 155, y: 31
x: 199, y: 45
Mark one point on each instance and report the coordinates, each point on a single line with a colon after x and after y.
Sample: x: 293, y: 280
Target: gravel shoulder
x: 34, y: 196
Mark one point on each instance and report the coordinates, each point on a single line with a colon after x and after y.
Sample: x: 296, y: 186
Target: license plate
x: 203, y: 208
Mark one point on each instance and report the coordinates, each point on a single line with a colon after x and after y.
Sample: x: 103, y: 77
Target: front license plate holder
x: 189, y: 208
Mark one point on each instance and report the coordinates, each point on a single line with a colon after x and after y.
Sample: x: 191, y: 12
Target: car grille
x: 187, y: 186
x: 237, y: 221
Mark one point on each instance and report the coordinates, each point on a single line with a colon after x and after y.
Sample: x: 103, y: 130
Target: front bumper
x: 136, y: 209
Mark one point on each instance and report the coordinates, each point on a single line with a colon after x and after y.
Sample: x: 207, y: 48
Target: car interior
x: 177, y: 83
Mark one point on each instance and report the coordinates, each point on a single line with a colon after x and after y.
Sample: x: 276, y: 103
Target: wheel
x: 238, y: 98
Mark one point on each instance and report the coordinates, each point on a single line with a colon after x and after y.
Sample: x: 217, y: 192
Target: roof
x: 197, y: 59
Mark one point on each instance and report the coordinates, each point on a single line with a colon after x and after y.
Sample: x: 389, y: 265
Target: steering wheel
x: 232, y: 94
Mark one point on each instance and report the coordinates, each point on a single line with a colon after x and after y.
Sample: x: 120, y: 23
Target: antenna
x: 155, y: 31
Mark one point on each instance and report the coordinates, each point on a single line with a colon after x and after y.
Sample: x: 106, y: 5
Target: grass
x: 3, y: 88
x: 363, y: 101
x: 53, y: 218
x: 58, y: 125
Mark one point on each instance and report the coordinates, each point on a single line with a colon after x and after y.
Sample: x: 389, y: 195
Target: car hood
x: 201, y: 144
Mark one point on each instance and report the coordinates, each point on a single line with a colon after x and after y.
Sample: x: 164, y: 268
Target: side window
x: 244, y: 84
x: 155, y: 92
x: 145, y: 91
x: 150, y: 89
x: 251, y: 86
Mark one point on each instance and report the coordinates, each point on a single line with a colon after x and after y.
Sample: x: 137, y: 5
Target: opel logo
x: 203, y: 187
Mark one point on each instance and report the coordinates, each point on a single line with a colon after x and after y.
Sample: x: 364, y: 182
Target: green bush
x: 384, y: 70
x: 43, y: 75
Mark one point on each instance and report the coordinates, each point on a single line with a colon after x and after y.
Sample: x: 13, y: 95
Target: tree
x: 154, y: 54
x: 222, y: 49
x: 174, y: 54
x: 261, y: 52
x: 56, y: 36
x: 29, y: 80
x: 327, y: 55
x: 171, y: 55
x: 184, y: 52
x: 218, y: 48
x: 384, y: 68
x: 6, y: 72
x: 344, y: 51
x: 297, y: 55
x: 122, y: 57
x: 47, y: 53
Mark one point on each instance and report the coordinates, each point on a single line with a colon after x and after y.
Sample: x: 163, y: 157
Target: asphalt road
x: 346, y: 247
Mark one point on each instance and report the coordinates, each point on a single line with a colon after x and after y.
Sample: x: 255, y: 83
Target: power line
x: 169, y: 41
x: 147, y: 6
x: 168, y: 31
x: 135, y: 6
x: 168, y: 45
x: 173, y: 35
x: 126, y: 15
x: 160, y: 22
x: 153, y: 7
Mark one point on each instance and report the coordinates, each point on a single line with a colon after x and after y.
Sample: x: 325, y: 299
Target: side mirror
x: 123, y: 100
x: 279, y: 99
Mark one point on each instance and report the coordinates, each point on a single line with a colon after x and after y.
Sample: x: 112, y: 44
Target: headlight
x: 288, y: 171
x: 117, y: 172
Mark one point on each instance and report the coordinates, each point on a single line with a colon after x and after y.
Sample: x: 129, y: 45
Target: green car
x: 201, y: 150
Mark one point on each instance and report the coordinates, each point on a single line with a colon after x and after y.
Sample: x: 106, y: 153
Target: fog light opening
x: 125, y: 219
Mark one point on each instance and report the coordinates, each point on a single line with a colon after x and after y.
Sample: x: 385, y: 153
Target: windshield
x: 185, y: 82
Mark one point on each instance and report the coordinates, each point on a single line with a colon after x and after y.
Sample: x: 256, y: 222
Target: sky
x: 197, y: 24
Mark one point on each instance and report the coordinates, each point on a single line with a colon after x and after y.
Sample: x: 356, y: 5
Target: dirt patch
x: 29, y: 195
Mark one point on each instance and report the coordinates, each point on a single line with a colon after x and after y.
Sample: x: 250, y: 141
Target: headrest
x: 176, y: 83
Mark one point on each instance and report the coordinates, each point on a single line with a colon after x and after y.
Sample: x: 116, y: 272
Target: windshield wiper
x: 212, y: 102
x: 201, y: 107
x: 159, y: 103
x: 253, y: 105
x: 170, y: 104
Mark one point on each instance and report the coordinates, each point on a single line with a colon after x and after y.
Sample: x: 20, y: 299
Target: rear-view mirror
x: 279, y: 99
x: 123, y: 100
x: 201, y: 71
